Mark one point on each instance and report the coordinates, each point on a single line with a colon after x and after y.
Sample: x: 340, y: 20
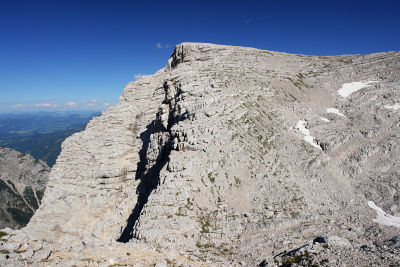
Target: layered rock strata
x: 234, y: 155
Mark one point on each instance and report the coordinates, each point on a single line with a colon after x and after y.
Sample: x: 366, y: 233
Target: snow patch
x: 324, y: 119
x: 307, y: 136
x: 384, y: 218
x: 394, y: 107
x: 335, y: 111
x: 349, y: 88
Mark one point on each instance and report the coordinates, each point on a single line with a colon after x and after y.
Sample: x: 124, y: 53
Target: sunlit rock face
x: 233, y: 155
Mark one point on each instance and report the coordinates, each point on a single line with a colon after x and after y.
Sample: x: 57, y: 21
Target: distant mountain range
x: 40, y: 134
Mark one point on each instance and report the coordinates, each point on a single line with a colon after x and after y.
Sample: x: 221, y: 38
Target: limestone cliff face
x: 234, y: 154
x: 22, y: 183
x: 92, y: 187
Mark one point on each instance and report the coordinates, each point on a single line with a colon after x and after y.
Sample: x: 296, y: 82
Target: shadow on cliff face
x: 149, y: 178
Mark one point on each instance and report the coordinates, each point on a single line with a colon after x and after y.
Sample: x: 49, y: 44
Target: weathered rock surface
x: 22, y: 183
x: 234, y: 156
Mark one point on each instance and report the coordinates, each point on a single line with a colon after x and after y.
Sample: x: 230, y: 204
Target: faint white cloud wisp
x: 18, y: 106
x: 160, y: 46
x: 45, y: 105
x: 70, y: 103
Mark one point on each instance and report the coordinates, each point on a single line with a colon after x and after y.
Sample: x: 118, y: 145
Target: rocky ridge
x: 233, y: 155
x: 22, y: 183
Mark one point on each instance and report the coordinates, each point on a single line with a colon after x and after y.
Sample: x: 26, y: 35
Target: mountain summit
x: 235, y: 156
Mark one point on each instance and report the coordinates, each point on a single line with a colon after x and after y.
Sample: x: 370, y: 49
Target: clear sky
x: 60, y: 55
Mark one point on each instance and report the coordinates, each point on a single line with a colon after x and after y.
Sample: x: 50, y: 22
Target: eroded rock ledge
x: 204, y: 159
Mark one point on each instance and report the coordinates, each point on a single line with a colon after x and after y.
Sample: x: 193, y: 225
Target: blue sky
x: 69, y: 55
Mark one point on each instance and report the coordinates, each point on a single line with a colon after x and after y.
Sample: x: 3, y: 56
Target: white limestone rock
x: 203, y: 159
x: 42, y: 254
x: 10, y: 246
x: 27, y: 254
x: 338, y: 241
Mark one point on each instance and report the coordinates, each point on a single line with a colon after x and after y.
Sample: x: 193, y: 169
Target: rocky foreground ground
x: 230, y: 156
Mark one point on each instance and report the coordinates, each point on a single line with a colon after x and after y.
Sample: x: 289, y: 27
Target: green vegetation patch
x: 214, y: 249
x: 302, y: 259
x: 180, y: 213
x: 20, y: 216
x: 205, y: 224
x: 30, y: 197
x: 3, y: 234
x: 211, y: 177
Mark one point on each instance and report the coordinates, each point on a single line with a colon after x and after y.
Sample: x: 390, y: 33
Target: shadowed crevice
x: 149, y: 179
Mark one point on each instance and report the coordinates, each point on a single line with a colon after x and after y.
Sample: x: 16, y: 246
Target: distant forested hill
x: 40, y: 134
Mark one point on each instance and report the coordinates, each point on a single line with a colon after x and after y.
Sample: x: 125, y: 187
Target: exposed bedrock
x: 234, y: 154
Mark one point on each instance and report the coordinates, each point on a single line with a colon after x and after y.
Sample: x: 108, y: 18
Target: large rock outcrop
x: 234, y: 155
x: 22, y: 183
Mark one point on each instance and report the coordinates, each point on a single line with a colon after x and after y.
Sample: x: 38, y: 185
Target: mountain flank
x: 22, y: 183
x: 231, y: 156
